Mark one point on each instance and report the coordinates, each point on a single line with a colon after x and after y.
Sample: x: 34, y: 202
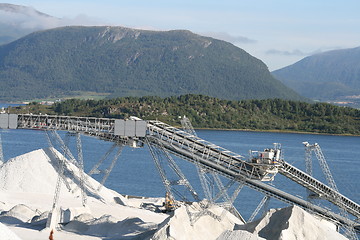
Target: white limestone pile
x: 185, y: 223
x: 27, y: 188
x: 7, y: 234
x: 18, y: 214
x: 31, y: 172
x: 292, y: 223
x: 37, y: 173
x: 238, y: 234
x: 110, y: 227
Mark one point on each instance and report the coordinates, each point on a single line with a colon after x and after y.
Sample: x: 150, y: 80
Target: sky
x: 279, y: 32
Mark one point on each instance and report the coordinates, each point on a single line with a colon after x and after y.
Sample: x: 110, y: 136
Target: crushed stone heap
x: 186, y: 223
x: 27, y: 186
x: 36, y: 172
x: 7, y: 234
x: 291, y: 223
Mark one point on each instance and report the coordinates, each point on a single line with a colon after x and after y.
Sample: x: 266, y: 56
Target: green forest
x: 214, y: 113
x: 122, y: 62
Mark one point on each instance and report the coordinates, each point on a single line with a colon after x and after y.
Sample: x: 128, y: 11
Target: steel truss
x: 210, y: 156
x: 111, y: 166
x: 235, y: 167
x: 309, y: 148
x: 54, y: 140
x: 208, y: 177
x: 162, y: 159
x: 1, y: 152
x: 81, y: 168
x: 263, y: 203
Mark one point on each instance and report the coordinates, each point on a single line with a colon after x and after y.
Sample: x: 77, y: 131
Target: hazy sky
x: 279, y: 32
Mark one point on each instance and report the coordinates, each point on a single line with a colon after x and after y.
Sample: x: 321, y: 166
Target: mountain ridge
x: 130, y: 62
x: 21, y: 9
x: 17, y: 21
x: 328, y: 75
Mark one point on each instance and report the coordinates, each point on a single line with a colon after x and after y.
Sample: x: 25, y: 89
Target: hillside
x: 329, y: 75
x: 127, y: 62
x: 209, y: 112
x: 17, y: 21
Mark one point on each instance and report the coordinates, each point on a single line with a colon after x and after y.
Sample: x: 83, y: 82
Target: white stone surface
x: 184, y: 226
x: 7, y: 234
x: 292, y: 223
x: 27, y: 187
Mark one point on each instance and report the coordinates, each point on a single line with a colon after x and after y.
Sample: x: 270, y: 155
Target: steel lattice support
x: 60, y: 162
x: 95, y: 168
x: 1, y: 153
x: 52, y: 218
x: 160, y: 169
x: 228, y: 204
x: 308, y: 168
x: 187, y: 126
x: 110, y: 168
x: 63, y: 146
x: 205, y: 182
x: 81, y: 168
x: 209, y: 155
x: 194, y: 216
x: 325, y: 167
x: 160, y: 156
x: 349, y: 230
x: 223, y: 190
x: 264, y: 201
x: 308, y: 160
x: 53, y: 138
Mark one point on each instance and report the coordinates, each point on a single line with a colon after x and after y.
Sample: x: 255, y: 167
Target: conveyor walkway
x: 232, y: 166
x: 319, y: 188
x: 195, y: 149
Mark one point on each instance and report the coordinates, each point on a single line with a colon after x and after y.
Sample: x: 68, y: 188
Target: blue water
x: 5, y: 105
x: 136, y: 174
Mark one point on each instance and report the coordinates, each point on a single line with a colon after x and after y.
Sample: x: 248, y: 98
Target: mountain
x: 17, y: 21
x: 128, y: 62
x: 329, y: 75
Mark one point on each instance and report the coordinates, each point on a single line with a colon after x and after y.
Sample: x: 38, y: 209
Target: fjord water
x: 135, y: 172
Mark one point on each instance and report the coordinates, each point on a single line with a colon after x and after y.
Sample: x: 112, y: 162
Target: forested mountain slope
x: 324, y: 76
x: 127, y: 62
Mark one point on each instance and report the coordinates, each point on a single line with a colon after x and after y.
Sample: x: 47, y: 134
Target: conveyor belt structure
x: 195, y: 149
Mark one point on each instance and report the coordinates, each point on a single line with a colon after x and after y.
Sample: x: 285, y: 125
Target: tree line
x: 210, y: 112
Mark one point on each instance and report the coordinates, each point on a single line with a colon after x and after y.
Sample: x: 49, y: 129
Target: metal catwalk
x: 194, y: 149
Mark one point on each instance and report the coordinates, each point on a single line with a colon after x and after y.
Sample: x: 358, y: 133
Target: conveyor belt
x: 216, y: 158
x: 319, y: 188
x: 232, y: 166
x: 256, y: 184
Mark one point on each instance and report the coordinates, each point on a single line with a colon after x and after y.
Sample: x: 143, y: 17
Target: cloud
x: 30, y: 19
x: 27, y: 21
x: 229, y: 38
x: 82, y: 20
x: 295, y: 52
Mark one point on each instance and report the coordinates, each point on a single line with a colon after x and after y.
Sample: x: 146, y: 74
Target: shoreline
x: 277, y: 131
x: 235, y: 129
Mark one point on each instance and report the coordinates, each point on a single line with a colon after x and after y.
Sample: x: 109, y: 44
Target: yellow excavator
x: 169, y: 203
